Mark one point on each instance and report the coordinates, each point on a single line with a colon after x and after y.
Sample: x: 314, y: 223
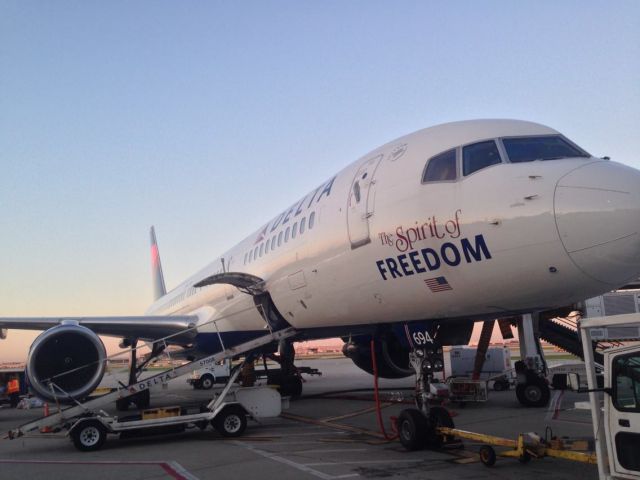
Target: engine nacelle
x: 392, y: 346
x: 66, y: 348
x: 392, y: 361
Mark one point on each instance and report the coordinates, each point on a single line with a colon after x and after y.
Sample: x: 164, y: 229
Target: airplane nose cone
x: 597, y: 209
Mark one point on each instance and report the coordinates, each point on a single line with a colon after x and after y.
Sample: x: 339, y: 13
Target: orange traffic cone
x: 46, y: 414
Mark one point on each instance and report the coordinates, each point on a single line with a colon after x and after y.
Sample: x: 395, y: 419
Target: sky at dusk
x: 206, y: 119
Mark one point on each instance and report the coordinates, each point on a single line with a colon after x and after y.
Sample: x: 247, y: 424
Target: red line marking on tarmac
x: 169, y: 469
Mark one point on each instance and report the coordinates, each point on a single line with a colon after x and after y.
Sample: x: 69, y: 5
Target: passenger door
x: 622, y: 412
x: 360, y: 203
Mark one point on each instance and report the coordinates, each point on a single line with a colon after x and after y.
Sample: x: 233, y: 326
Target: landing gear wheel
x: 231, y: 421
x: 534, y: 393
x: 500, y: 385
x: 412, y: 429
x: 90, y: 435
x: 487, y: 456
x: 206, y: 382
x: 438, y: 417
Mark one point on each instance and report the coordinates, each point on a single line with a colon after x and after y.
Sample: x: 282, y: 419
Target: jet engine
x: 392, y: 360
x: 65, y: 362
x: 392, y: 353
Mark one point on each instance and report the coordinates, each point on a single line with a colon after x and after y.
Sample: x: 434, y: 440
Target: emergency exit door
x: 360, y: 204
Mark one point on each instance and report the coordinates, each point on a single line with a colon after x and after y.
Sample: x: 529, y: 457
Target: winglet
x: 159, y: 289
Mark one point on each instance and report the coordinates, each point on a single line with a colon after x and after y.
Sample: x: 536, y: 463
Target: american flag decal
x: 438, y: 284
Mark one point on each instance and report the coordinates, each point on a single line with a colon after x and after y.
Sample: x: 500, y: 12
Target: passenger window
x: 294, y: 232
x: 261, y: 249
x: 479, y: 155
x: 312, y: 219
x: 273, y: 242
x: 255, y: 253
x: 266, y: 247
x: 280, y: 239
x: 303, y: 224
x: 286, y: 234
x: 441, y: 168
x: 356, y: 191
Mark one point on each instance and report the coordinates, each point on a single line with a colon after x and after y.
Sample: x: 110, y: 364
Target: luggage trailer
x: 88, y: 425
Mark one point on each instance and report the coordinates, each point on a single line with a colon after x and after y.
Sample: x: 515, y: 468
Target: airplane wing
x: 150, y: 327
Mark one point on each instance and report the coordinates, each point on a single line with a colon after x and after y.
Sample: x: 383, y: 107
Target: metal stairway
x: 71, y: 413
x: 563, y: 333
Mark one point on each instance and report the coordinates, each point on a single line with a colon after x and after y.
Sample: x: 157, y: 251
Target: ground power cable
x: 376, y: 395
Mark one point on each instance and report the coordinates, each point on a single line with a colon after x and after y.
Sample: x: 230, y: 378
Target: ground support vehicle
x: 205, y: 378
x: 227, y: 413
x: 615, y: 409
x: 526, y: 447
x: 88, y: 425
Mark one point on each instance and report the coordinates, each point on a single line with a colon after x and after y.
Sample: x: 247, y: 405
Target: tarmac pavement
x: 329, y: 433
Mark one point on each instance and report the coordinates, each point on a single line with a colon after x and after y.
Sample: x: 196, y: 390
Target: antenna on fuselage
x: 159, y: 290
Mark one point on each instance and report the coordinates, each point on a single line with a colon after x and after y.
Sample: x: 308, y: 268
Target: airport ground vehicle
x: 88, y: 425
x: 615, y: 409
x: 205, y: 378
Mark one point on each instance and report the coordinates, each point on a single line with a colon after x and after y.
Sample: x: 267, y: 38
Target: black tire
x: 122, y: 404
x: 438, y: 417
x: 500, y: 385
x: 534, y: 393
x: 487, y: 456
x: 525, y: 458
x: 231, y: 421
x: 206, y: 382
x: 412, y: 429
x: 89, y: 435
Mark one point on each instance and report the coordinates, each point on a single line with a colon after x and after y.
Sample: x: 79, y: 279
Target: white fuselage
x: 512, y: 237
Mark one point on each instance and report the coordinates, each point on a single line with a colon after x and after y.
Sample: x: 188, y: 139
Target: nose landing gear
x: 532, y: 389
x: 418, y: 427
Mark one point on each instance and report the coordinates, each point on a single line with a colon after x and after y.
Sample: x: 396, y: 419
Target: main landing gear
x: 532, y: 389
x: 287, y: 378
x: 141, y: 399
x: 418, y: 427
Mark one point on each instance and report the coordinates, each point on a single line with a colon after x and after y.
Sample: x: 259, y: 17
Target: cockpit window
x: 441, y: 168
x: 479, y: 155
x: 548, y: 147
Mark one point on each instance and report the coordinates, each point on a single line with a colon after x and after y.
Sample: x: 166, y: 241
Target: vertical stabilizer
x: 159, y: 289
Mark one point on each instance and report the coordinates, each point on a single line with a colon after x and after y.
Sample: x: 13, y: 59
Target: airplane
x: 407, y: 246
